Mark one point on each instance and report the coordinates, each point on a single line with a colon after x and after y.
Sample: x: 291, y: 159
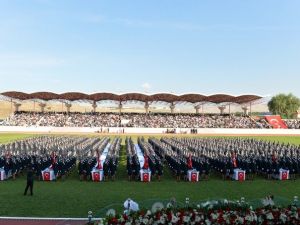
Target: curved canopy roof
x: 161, y: 97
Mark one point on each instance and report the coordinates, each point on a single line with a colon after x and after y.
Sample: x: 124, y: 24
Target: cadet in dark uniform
x: 113, y: 168
x: 30, y: 179
x: 106, y: 169
x: 129, y: 168
x: 159, y: 169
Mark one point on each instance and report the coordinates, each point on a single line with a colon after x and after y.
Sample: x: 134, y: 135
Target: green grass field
x: 72, y: 198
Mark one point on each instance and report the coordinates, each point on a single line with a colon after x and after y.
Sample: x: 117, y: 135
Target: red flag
x: 146, y: 177
x: 234, y: 161
x: 284, y: 175
x: 46, y: 176
x: 194, y: 177
x: 274, y: 158
x: 146, y: 162
x: 190, y: 162
x: 53, y: 158
x: 96, y: 176
x: 99, y: 166
x: 241, y: 176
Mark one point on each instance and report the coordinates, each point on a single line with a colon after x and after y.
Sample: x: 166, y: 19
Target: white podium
x: 239, y: 175
x: 193, y: 175
x: 48, y: 175
x: 284, y: 174
x: 97, y: 175
x: 145, y: 175
x: 3, y: 175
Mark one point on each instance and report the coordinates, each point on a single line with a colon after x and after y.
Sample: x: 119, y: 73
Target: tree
x: 284, y: 105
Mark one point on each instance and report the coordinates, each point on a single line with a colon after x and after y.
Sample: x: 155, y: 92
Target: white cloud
x: 25, y: 61
x: 146, y: 86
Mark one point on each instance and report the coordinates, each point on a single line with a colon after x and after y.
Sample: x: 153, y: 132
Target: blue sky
x: 177, y: 46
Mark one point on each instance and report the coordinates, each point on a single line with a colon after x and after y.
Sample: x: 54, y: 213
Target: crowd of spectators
x: 152, y: 120
x: 293, y: 124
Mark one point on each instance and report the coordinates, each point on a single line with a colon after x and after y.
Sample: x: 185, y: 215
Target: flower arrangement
x: 210, y: 213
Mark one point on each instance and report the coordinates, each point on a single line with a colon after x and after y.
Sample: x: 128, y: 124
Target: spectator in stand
x: 168, y: 121
x: 293, y: 124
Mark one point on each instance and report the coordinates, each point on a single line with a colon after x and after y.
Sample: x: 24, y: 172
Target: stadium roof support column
x: 11, y: 106
x: 222, y: 109
x: 120, y: 107
x: 172, y: 107
x: 147, y: 105
x: 17, y: 106
x: 42, y: 107
x: 245, y: 110
x: 68, y: 106
x: 197, y: 108
x: 94, y: 105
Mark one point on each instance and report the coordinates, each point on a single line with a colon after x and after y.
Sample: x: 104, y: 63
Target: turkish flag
x: 241, y: 176
x: 46, y: 176
x: 284, y: 175
x: 190, y: 162
x: 99, y: 165
x: 194, y: 177
x: 146, y: 162
x: 146, y: 177
x: 96, y: 176
x: 234, y: 161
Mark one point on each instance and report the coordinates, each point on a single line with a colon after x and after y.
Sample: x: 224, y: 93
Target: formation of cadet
x: 223, y: 155
x: 38, y: 154
x: 88, y: 154
x: 155, y: 162
x: 112, y: 159
x: 133, y: 164
x: 14, y: 165
x: 59, y: 154
x: 175, y: 160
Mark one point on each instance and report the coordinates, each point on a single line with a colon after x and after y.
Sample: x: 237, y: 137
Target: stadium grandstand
x: 147, y: 119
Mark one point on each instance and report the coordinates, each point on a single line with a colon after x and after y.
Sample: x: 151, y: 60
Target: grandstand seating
x: 137, y: 120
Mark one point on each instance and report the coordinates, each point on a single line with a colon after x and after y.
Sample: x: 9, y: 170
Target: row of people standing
x: 91, y: 159
x: 154, y: 161
x: 133, y: 165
